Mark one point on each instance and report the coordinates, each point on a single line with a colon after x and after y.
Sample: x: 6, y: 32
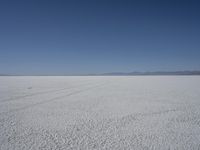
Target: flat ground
x: 138, y: 112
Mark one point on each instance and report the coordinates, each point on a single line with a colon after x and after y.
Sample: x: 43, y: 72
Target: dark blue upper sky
x: 95, y: 36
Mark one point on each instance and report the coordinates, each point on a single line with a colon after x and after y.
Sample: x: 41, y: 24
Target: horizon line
x: 133, y: 73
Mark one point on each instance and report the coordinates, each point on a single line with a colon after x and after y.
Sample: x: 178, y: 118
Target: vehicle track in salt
x: 53, y: 99
x: 38, y: 93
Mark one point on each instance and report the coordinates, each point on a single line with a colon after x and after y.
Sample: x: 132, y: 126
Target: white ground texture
x: 114, y: 113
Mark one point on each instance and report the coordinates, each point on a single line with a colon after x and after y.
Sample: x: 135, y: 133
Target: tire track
x: 38, y: 93
x: 51, y: 100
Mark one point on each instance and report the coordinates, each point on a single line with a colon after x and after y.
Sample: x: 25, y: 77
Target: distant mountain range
x: 153, y: 73
x: 135, y: 73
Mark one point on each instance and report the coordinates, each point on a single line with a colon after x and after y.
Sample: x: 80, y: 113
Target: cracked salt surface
x: 138, y: 112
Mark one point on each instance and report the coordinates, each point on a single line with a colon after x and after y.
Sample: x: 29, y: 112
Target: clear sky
x: 97, y: 36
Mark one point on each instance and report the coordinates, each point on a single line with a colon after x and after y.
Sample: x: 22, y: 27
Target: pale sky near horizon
x: 87, y: 36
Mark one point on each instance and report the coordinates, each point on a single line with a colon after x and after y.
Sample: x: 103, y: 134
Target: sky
x: 58, y: 37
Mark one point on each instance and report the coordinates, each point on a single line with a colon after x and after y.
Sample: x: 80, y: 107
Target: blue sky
x: 96, y: 36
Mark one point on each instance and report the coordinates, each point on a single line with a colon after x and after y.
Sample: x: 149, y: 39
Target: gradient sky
x: 96, y: 36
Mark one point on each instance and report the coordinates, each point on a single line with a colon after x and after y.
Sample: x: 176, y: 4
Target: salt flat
x: 93, y: 112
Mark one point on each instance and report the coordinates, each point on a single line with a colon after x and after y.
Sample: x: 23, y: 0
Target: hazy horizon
x: 158, y: 72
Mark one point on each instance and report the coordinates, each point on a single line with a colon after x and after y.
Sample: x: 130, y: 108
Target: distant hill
x: 134, y: 73
x: 153, y: 73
